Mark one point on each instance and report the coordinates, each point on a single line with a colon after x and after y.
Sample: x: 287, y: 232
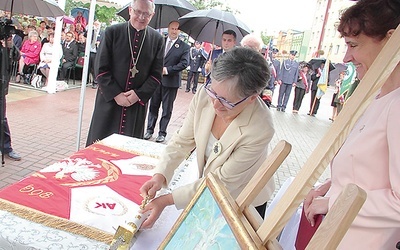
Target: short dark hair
x: 230, y: 32
x: 247, y: 66
x: 374, y: 18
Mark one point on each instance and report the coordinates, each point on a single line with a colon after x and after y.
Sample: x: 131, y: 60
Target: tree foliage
x: 102, y: 13
x: 265, y: 38
x: 210, y: 4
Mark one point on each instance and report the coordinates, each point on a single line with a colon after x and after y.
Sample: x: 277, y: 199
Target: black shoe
x: 278, y: 109
x: 160, y: 138
x: 147, y: 135
x: 94, y: 86
x: 194, y: 92
x: 187, y: 90
x: 283, y: 110
x: 14, y: 155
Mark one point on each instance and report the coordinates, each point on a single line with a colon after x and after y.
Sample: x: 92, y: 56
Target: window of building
x: 337, y: 49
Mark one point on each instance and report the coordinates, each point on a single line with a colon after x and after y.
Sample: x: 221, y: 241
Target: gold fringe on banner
x: 149, y: 154
x: 55, y: 222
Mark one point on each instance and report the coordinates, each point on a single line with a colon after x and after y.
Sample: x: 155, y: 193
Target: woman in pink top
x: 370, y: 156
x: 30, y: 53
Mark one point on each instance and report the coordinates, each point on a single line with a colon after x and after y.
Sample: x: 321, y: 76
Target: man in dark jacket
x: 196, y: 62
x: 176, y: 59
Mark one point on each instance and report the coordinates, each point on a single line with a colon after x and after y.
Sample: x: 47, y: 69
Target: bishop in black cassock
x: 113, y: 73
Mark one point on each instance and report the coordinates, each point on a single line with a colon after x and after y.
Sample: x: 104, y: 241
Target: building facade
x: 323, y: 40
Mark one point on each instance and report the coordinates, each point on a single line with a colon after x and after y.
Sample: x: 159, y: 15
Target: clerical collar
x: 129, y: 23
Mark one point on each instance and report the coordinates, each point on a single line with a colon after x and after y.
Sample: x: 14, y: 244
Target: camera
x: 6, y: 28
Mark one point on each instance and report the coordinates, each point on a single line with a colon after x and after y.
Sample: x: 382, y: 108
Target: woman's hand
x: 319, y: 205
x: 156, y: 207
x: 316, y: 192
x: 151, y: 186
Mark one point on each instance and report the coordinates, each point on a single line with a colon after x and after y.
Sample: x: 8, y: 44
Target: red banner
x: 49, y: 190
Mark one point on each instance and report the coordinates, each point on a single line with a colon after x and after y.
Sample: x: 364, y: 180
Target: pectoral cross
x: 134, y: 71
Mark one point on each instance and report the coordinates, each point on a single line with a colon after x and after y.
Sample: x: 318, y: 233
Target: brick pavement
x: 44, y: 129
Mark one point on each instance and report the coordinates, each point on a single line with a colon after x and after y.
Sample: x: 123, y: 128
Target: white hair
x: 149, y: 2
x: 252, y: 41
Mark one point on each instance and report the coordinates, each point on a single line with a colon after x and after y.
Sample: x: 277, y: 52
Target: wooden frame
x: 225, y: 225
x: 378, y: 73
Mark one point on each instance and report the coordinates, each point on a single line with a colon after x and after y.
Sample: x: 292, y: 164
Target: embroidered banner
x: 97, y: 186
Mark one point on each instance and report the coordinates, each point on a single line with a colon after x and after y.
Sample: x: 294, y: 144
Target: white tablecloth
x: 17, y: 233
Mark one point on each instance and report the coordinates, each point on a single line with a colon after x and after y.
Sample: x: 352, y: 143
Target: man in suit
x: 287, y: 79
x: 228, y: 42
x: 17, y: 40
x: 196, y: 61
x: 176, y: 59
x: 96, y: 38
x: 70, y: 53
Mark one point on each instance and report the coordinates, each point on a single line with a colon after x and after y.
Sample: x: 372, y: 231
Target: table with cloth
x: 78, y: 202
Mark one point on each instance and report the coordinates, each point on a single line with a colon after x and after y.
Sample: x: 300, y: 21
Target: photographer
x: 5, y: 77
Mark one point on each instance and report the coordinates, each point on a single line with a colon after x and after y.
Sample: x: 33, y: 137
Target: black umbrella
x: 316, y: 63
x: 334, y: 74
x: 206, y: 25
x: 165, y: 12
x: 44, y: 8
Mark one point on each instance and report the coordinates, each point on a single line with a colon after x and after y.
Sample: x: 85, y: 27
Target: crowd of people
x: 33, y: 46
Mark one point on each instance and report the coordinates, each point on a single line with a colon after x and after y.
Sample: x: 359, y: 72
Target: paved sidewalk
x: 44, y: 129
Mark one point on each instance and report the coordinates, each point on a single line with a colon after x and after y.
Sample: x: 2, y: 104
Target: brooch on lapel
x: 176, y: 45
x: 217, y: 148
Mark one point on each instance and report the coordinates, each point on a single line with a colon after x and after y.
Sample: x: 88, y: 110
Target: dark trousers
x: 314, y: 104
x: 195, y: 77
x: 64, y: 69
x: 165, y: 96
x: 298, y: 97
x: 284, y: 94
x: 6, y: 133
x: 92, y: 57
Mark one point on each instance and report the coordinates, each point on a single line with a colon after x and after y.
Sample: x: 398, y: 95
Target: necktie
x: 169, y: 44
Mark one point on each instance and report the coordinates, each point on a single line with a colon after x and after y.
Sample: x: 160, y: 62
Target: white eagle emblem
x: 78, y: 168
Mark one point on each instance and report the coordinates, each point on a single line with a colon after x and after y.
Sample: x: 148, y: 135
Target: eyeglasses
x: 139, y: 13
x: 227, y: 104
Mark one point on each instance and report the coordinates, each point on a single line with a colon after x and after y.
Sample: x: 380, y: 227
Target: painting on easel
x: 210, y: 221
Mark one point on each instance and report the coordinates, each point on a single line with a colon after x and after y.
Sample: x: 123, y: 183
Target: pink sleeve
x: 382, y: 207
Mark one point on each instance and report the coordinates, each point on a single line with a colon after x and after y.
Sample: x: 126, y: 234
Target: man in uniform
x: 176, y: 59
x: 275, y: 67
x: 196, y: 61
x: 128, y: 69
x: 287, y: 79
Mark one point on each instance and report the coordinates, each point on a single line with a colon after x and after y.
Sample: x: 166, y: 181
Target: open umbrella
x: 69, y: 20
x: 334, y: 74
x: 165, y: 12
x: 44, y: 8
x: 206, y: 25
x: 316, y: 63
x: 85, y: 12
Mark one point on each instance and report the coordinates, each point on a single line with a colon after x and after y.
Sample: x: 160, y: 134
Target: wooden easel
x: 247, y: 221
x: 333, y: 227
x: 380, y: 70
